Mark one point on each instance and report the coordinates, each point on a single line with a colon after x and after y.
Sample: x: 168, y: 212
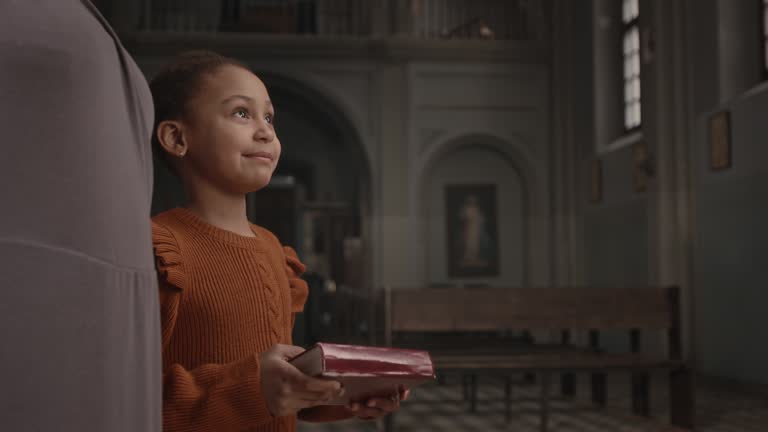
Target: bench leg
x: 641, y: 383
x: 473, y: 393
x: 544, y: 423
x: 598, y: 389
x: 465, y: 387
x: 508, y: 398
x: 568, y: 384
x: 681, y: 398
x: 389, y: 422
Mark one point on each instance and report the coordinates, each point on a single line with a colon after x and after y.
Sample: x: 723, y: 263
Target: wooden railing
x: 468, y: 19
x: 422, y: 19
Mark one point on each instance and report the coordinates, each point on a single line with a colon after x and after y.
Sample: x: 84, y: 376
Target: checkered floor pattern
x: 440, y: 408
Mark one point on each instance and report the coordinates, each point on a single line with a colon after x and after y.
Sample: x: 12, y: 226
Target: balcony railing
x: 423, y: 19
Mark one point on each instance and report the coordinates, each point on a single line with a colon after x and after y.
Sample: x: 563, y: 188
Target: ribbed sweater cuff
x: 248, y: 398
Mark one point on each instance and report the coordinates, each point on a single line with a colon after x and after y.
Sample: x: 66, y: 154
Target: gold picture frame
x: 640, y: 164
x: 720, y: 152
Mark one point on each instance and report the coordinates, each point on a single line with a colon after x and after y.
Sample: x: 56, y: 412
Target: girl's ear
x: 171, y: 139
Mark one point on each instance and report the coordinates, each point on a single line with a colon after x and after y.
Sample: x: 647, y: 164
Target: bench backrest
x: 481, y: 309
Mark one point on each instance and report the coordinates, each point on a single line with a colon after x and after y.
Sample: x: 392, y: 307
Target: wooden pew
x: 563, y: 310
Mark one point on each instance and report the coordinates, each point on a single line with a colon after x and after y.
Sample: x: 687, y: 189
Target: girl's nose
x: 264, y: 133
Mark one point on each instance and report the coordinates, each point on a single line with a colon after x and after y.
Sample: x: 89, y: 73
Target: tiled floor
x: 438, y: 408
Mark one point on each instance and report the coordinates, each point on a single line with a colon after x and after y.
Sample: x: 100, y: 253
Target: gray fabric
x: 79, y: 320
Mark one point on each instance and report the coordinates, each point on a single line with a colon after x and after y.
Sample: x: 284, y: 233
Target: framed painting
x: 471, y: 230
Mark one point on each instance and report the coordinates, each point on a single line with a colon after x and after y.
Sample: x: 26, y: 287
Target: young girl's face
x: 230, y: 131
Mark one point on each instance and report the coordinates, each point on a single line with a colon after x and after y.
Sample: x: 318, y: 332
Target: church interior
x: 559, y: 199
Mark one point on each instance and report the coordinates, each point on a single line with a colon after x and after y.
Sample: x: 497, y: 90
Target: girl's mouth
x: 261, y: 156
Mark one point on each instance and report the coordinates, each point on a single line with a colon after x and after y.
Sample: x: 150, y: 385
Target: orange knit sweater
x: 224, y: 299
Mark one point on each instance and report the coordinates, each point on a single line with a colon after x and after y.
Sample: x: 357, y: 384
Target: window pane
x: 765, y: 20
x: 629, y: 10
x: 625, y: 11
x: 635, y: 35
x: 636, y: 85
x: 636, y: 64
x: 766, y: 55
x: 627, y: 117
x: 631, y: 65
x: 627, y: 68
x: 636, y: 88
x: 635, y: 114
x: 627, y: 44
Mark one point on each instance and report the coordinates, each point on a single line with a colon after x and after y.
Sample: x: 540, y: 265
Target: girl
x: 228, y: 289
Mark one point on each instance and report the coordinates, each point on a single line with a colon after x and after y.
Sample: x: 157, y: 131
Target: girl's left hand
x: 378, y: 407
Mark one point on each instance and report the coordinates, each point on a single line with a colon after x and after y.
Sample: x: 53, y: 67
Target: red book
x: 366, y: 371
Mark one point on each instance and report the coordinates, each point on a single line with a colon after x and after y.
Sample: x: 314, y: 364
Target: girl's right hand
x: 286, y: 389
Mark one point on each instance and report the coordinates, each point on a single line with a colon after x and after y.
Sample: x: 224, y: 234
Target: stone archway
x: 498, y: 162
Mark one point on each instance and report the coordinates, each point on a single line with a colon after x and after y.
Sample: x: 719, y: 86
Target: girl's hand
x: 286, y: 389
x: 378, y: 407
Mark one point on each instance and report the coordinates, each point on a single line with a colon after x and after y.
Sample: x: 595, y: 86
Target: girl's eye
x: 242, y: 113
x: 269, y: 118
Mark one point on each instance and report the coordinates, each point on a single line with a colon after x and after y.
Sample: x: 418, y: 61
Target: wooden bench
x: 562, y: 310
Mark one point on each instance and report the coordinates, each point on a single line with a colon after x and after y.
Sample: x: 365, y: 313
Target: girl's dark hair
x: 176, y: 84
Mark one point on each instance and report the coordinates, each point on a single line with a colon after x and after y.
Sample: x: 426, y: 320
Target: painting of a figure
x: 471, y: 230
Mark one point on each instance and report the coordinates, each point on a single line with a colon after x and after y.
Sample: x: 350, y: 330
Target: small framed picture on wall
x: 720, y: 152
x: 640, y: 165
x: 471, y: 230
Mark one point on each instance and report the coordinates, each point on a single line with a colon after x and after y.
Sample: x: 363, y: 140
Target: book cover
x: 366, y: 371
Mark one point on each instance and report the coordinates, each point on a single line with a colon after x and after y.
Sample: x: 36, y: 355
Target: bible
x: 366, y: 371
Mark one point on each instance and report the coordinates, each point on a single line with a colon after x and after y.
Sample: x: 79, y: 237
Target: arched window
x: 631, y: 52
x: 765, y: 39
